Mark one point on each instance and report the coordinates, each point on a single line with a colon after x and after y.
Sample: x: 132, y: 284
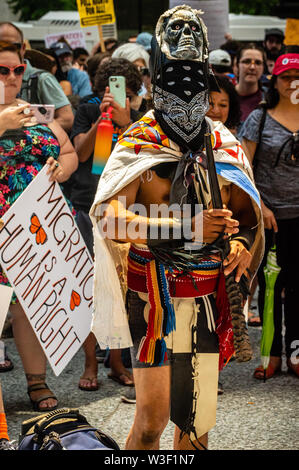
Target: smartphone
x: 117, y: 85
x: 43, y: 113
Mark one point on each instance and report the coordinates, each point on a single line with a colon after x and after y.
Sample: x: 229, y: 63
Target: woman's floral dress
x: 23, y: 153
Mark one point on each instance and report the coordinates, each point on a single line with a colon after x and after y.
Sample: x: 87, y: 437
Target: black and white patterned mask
x: 180, y: 75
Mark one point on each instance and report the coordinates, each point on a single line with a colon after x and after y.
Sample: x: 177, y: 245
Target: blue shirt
x: 80, y: 82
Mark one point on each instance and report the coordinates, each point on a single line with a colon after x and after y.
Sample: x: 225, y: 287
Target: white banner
x: 74, y: 39
x: 5, y: 297
x: 48, y: 264
x: 215, y: 18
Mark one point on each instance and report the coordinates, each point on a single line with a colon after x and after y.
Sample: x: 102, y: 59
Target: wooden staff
x: 102, y: 43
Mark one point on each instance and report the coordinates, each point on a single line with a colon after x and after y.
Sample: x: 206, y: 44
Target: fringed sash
x: 145, y: 274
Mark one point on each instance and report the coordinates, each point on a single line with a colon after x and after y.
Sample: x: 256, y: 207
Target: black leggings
x: 287, y: 243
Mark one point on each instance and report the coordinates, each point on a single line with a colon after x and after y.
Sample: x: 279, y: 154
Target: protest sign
x: 292, y: 32
x: 95, y: 12
x: 74, y: 39
x: 215, y: 17
x: 5, y: 297
x: 46, y: 261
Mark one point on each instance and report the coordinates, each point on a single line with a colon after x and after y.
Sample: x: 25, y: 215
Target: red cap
x: 286, y: 62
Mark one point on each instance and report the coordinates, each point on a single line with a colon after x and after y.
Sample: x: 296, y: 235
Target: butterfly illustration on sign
x: 75, y: 300
x: 37, y: 229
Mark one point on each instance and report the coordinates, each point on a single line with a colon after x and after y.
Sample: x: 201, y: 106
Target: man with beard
x: 273, y: 41
x: 179, y: 325
x: 78, y: 79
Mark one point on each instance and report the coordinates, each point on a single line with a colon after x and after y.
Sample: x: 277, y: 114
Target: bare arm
x: 84, y: 143
x: 269, y: 219
x: 65, y: 117
x: 68, y: 159
x: 239, y: 256
x: 120, y: 223
x: 249, y: 148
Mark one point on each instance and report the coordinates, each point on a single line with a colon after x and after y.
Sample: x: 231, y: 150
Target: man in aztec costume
x: 172, y: 303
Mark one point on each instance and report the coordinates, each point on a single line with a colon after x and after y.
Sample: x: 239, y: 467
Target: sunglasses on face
x: 18, y: 45
x: 251, y: 61
x: 17, y: 69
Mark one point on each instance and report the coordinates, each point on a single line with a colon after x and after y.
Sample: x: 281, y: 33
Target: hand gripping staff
x: 237, y: 292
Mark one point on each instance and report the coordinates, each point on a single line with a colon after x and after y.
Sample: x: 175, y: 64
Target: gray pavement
x: 251, y: 414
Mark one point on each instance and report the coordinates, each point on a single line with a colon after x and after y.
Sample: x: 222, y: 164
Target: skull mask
x: 183, y: 37
x: 180, y: 75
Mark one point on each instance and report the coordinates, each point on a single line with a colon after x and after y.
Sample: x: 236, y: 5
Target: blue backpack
x: 63, y: 429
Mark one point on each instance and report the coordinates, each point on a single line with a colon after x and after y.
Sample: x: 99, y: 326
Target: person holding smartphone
x: 25, y: 147
x: 85, y: 182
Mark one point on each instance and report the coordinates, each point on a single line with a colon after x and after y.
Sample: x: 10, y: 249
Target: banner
x: 50, y: 269
x: 215, y: 17
x: 74, y: 39
x: 95, y: 12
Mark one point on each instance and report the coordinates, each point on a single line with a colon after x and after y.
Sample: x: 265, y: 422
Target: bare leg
x: 33, y: 358
x: 117, y: 367
x: 152, y: 408
x: 89, y: 377
x: 185, y: 444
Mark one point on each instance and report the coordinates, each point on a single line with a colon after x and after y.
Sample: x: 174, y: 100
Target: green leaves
x: 31, y: 10
x: 253, y: 7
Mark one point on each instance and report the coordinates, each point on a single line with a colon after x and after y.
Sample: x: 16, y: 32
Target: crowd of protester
x: 253, y: 102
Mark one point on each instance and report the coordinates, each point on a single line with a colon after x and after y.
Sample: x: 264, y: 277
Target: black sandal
x: 35, y: 403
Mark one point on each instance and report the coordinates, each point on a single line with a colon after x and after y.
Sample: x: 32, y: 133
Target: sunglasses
x: 18, y: 45
x: 251, y: 61
x: 17, y: 69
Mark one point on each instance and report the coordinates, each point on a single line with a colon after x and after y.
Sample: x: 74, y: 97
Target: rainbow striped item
x: 103, y: 143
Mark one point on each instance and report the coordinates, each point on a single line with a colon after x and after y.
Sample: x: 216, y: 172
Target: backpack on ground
x: 63, y: 429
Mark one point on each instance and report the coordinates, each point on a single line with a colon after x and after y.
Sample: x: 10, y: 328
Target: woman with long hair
x: 25, y: 147
x: 270, y: 139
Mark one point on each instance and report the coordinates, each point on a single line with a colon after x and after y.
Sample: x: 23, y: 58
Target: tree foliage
x: 253, y: 7
x: 33, y: 10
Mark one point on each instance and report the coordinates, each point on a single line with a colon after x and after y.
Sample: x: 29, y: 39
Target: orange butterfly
x: 36, y: 227
x: 75, y: 300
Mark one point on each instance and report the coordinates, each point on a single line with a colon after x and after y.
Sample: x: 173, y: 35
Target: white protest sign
x: 5, y: 297
x: 215, y: 17
x: 46, y: 261
x: 74, y: 39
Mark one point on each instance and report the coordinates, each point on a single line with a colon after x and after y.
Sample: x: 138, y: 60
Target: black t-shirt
x: 84, y: 183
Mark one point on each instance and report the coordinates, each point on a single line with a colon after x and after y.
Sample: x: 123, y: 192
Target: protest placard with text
x: 95, y: 12
x: 47, y: 262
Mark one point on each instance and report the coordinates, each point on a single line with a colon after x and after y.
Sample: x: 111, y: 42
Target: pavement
x: 251, y: 414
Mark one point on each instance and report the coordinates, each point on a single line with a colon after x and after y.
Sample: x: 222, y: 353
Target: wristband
x: 246, y: 236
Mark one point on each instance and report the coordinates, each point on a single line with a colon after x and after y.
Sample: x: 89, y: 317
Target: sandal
x: 122, y: 379
x: 90, y: 380
x: 5, y: 363
x: 259, y: 372
x: 36, y: 403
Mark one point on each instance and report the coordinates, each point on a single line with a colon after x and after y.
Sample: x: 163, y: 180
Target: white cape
x: 110, y: 323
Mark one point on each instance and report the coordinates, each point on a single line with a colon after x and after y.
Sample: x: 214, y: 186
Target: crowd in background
x: 253, y: 102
